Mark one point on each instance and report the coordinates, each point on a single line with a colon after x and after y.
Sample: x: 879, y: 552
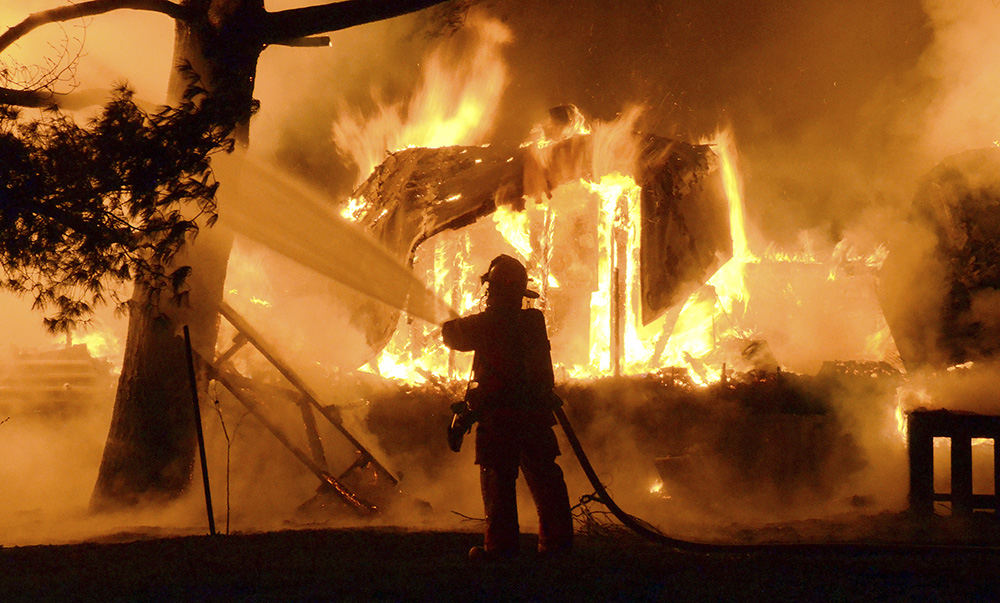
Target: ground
x: 388, y: 564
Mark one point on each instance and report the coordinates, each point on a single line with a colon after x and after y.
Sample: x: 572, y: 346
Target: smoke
x: 963, y: 113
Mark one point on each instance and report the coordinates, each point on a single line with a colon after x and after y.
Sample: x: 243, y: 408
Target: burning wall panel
x: 684, y: 226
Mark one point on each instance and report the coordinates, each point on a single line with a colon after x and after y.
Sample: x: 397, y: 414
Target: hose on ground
x: 632, y: 522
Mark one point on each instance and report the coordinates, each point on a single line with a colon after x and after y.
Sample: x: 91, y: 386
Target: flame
x: 618, y: 241
x: 706, y: 322
x: 455, y: 103
x: 909, y: 397
x: 709, y: 318
x: 100, y: 344
x: 725, y: 147
x: 513, y: 226
x: 711, y: 314
x: 354, y: 209
x: 900, y: 415
x: 416, y: 352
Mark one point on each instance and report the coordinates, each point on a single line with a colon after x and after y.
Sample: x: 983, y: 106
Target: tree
x: 150, y: 448
x: 82, y: 207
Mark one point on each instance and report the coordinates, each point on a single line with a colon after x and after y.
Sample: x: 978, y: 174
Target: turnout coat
x: 512, y: 371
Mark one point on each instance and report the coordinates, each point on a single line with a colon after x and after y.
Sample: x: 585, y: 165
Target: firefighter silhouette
x: 511, y: 397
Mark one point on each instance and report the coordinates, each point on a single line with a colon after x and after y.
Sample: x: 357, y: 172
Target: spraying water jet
x: 290, y: 218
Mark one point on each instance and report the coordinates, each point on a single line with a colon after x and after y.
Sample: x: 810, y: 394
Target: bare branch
x: 86, y: 9
x: 294, y: 23
x: 26, y: 98
x: 309, y: 42
x: 44, y: 79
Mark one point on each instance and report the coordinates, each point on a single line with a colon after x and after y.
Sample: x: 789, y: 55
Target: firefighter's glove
x: 462, y: 420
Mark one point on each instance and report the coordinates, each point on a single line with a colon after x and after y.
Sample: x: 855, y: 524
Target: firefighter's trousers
x: 548, y: 489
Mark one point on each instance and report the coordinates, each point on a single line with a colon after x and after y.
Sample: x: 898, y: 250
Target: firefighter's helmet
x: 507, y: 275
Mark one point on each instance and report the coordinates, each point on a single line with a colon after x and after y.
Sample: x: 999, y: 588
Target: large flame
x: 513, y: 226
x: 456, y: 102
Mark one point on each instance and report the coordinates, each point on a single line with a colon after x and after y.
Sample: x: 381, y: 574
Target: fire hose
x: 632, y: 522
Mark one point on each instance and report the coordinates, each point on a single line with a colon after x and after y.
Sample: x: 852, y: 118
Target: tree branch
x: 26, y: 98
x: 285, y: 25
x: 78, y: 99
x: 86, y: 9
x: 309, y: 42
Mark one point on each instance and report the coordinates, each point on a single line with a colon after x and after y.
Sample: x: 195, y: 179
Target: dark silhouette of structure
x: 922, y: 426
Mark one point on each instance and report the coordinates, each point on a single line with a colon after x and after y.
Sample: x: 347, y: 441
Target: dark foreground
x: 384, y: 564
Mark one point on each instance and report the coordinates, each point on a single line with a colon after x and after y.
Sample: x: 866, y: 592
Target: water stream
x: 277, y: 210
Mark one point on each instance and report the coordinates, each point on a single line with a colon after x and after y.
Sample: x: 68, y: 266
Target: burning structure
x: 712, y: 361
x: 667, y: 327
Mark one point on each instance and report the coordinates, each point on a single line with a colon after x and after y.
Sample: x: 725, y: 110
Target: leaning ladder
x: 248, y: 394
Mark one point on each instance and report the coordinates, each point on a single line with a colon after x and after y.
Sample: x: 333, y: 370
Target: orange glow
x: 455, y: 103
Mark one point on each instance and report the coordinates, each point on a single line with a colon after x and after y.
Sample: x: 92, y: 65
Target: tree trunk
x: 149, y: 453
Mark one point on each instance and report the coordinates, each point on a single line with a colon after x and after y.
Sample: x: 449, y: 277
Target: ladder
x: 249, y: 394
